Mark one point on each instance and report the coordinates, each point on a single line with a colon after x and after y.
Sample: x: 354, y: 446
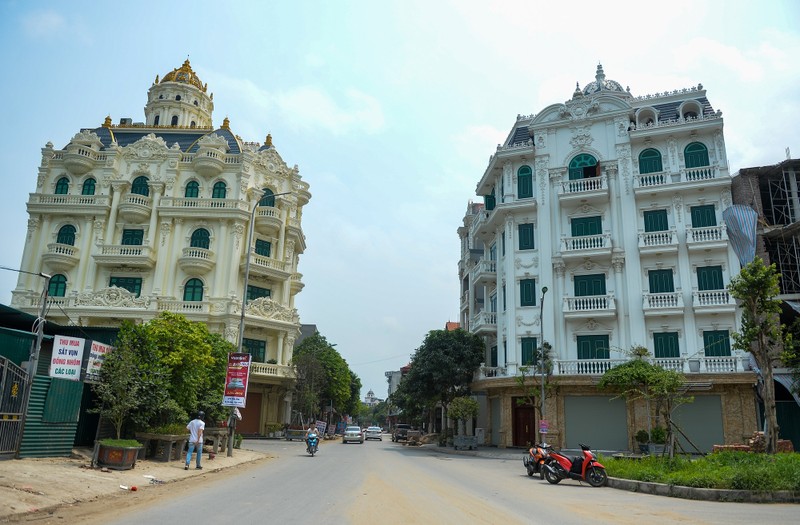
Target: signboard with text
x: 67, y: 357
x: 97, y: 354
x: 236, y: 379
x: 544, y: 426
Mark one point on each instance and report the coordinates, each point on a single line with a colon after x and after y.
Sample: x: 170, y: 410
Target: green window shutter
x: 268, y: 199
x: 58, y: 286
x: 88, y: 187
x: 200, y: 239
x: 578, y: 167
x: 192, y: 190
x: 528, y: 351
x: 66, y: 235
x: 661, y: 281
x: 132, y: 284
x: 503, y: 245
x: 254, y: 292
x: 593, y: 347
x: 583, y: 226
x: 709, y: 278
x: 493, y: 356
x: 656, y: 221
x: 717, y: 343
x: 527, y: 292
x: 62, y: 186
x: 588, y: 285
x: 140, y: 186
x: 489, y: 201
x: 256, y: 348
x: 193, y: 291
x: 219, y: 191
x: 650, y: 161
x: 703, y: 216
x: 263, y: 248
x: 696, y: 155
x: 132, y: 237
x: 524, y: 183
x: 526, y: 241
x: 504, y: 297
x: 666, y: 345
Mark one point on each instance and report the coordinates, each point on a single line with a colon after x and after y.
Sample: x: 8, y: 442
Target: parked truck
x: 400, y: 432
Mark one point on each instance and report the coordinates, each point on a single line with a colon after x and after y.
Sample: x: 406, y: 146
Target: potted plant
x: 118, y: 454
x: 642, y: 439
x: 166, y: 442
x: 658, y: 436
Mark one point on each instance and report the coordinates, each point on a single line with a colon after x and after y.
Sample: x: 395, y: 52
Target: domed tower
x: 604, y: 86
x: 179, y: 100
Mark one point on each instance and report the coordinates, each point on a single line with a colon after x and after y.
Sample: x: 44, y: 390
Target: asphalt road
x: 388, y: 483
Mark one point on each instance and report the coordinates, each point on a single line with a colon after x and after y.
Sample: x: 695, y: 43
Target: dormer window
x: 690, y: 109
x: 174, y: 121
x: 646, y: 117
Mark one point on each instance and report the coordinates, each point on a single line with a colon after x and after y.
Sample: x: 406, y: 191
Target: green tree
x: 354, y: 405
x: 334, y: 388
x: 463, y: 409
x: 308, y: 388
x: 761, y: 334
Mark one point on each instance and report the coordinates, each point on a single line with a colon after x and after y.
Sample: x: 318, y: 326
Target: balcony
x: 60, y: 257
x: 585, y: 367
x: 220, y: 208
x: 589, y: 306
x: 484, y: 272
x: 584, y: 190
x: 586, y: 246
x: 267, y: 267
x: 259, y: 372
x: 296, y: 283
x: 135, y: 256
x: 707, y: 238
x: 208, y: 162
x: 658, y: 242
x: 68, y: 204
x: 484, y: 323
x: 196, y: 261
x: 670, y: 303
x: 713, y: 301
x: 79, y: 159
x: 135, y: 208
x: 268, y: 220
x: 662, y: 181
x: 184, y: 307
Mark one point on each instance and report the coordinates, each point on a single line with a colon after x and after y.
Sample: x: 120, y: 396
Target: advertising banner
x: 236, y: 380
x: 67, y: 357
x: 97, y: 354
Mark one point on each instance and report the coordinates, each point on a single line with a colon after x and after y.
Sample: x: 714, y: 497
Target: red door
x: 524, y: 431
x: 251, y: 415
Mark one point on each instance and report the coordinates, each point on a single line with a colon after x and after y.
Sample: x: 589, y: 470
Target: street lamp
x: 259, y: 194
x: 541, y: 359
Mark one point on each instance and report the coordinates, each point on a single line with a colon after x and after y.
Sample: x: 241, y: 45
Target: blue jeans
x: 192, y: 446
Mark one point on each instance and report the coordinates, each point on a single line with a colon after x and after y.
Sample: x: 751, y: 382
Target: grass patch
x: 724, y: 470
x: 120, y: 443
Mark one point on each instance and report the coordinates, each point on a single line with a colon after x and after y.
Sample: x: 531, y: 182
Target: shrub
x: 642, y: 436
x: 171, y: 429
x: 659, y: 435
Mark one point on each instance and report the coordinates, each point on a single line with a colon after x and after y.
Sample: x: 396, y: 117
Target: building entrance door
x: 524, y: 431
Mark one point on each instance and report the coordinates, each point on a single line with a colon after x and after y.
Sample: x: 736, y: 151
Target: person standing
x: 195, y: 428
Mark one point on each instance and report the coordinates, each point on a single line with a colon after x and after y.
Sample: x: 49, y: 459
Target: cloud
x: 41, y: 23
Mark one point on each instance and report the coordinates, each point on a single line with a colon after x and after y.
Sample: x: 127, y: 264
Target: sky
x: 390, y: 109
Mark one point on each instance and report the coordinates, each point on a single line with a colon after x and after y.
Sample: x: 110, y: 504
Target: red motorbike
x: 582, y: 468
x: 535, y: 460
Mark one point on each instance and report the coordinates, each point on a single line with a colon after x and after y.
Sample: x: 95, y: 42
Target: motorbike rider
x: 312, y: 430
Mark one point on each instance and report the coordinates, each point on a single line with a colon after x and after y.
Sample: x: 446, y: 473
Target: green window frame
x: 526, y: 236
x: 661, y: 281
x: 583, y: 226
x: 263, y: 248
x: 703, y: 216
x: 193, y: 290
x: 650, y: 161
x: 200, y: 239
x: 696, y: 155
x: 503, y: 245
x: 57, y: 286
x: 656, y: 221
x: 665, y: 344
x: 716, y: 343
x: 589, y: 285
x: 504, y: 297
x: 220, y: 190
x: 192, y: 190
x: 489, y: 201
x: 88, y: 187
x: 256, y: 348
x: 528, y: 355
x: 527, y: 292
x: 66, y: 235
x: 493, y: 356
x: 132, y: 284
x: 583, y: 166
x: 709, y: 278
x: 140, y: 186
x: 268, y: 199
x: 254, y: 292
x: 62, y: 186
x: 132, y: 237
x: 593, y: 347
x: 524, y: 182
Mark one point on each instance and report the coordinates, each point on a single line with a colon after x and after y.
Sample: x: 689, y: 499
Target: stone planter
x: 465, y: 442
x: 117, y: 458
x: 644, y: 448
x: 163, y: 447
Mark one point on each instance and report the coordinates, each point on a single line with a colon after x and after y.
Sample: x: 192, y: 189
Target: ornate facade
x: 137, y: 218
x: 613, y: 203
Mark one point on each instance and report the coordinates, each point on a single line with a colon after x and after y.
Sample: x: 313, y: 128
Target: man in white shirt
x: 195, y: 428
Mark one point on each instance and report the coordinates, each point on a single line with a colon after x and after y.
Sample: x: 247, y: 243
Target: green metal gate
x: 13, y: 381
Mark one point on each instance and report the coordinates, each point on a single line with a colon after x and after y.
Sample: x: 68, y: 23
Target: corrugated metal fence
x: 52, y: 418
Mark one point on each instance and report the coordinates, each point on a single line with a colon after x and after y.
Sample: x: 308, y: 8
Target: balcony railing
x: 190, y: 307
x: 707, y: 234
x: 189, y: 202
x: 586, y: 242
x: 660, y: 239
x: 699, y: 174
x: 485, y: 269
x: 663, y: 301
x: 648, y: 180
x: 706, y: 298
x: 589, y: 184
x: 589, y: 303
x: 270, y: 370
x: 484, y: 320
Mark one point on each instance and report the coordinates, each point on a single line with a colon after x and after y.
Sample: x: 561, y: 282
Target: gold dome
x: 185, y: 75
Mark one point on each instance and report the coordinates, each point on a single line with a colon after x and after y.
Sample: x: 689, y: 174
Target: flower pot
x: 117, y: 458
x: 644, y: 448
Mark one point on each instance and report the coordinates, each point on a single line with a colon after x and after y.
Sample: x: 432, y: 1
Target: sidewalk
x: 35, y: 485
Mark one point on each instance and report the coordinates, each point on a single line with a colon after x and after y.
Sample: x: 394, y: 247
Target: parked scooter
x: 535, y: 460
x: 582, y: 468
x: 312, y: 444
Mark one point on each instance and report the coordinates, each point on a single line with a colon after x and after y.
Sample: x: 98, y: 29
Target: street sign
x: 236, y: 380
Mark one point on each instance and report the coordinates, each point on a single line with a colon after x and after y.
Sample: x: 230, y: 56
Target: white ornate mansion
x: 137, y: 218
x: 614, y: 204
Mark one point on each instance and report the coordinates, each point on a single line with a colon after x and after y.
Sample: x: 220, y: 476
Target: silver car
x: 373, y: 433
x: 353, y: 434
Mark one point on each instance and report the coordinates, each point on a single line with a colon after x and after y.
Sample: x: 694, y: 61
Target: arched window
x: 192, y: 125
x: 696, y: 155
x: 200, y: 238
x: 158, y: 118
x: 66, y: 235
x: 268, y: 199
x: 88, y: 187
x: 174, y: 120
x: 177, y: 97
x: 62, y: 186
x: 58, y: 286
x: 583, y: 166
x: 192, y: 190
x: 193, y: 291
x: 140, y: 186
x: 524, y: 182
x: 650, y: 161
x: 220, y: 190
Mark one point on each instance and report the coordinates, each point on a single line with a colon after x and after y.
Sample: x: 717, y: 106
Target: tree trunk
x: 770, y: 411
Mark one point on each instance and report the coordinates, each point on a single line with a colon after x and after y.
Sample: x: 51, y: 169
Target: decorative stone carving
x: 112, y: 297
x: 533, y: 264
x: 238, y: 231
x: 149, y: 147
x: 33, y: 225
x: 559, y: 267
x: 166, y: 228
x: 618, y: 262
x: 677, y: 203
x: 581, y: 136
x: 267, y: 308
x: 521, y: 321
x: 726, y: 198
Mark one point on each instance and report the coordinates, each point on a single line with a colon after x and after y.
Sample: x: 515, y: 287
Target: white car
x: 374, y: 433
x: 353, y: 434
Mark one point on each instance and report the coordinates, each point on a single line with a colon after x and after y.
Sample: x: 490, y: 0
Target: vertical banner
x: 97, y: 354
x: 235, y: 394
x: 67, y: 357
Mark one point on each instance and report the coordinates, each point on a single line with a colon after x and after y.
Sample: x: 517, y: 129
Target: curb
x: 722, y: 495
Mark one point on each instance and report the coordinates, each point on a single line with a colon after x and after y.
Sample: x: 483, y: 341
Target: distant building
x: 370, y: 400
x: 449, y: 326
